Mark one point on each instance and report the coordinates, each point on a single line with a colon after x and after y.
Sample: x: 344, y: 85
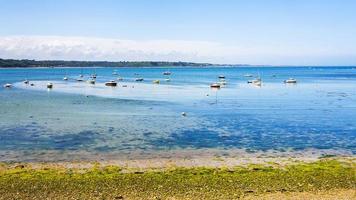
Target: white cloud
x: 84, y: 48
x: 89, y: 48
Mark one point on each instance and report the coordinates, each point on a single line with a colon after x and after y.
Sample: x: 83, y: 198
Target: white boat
x: 222, y: 81
x: 167, y: 80
x: 111, y: 83
x: 139, y: 79
x: 7, y: 85
x: 91, y: 81
x: 167, y: 73
x: 255, y: 81
x: 49, y: 85
x: 290, y: 80
x: 65, y: 78
x: 93, y: 76
x: 248, y: 75
x: 215, y: 85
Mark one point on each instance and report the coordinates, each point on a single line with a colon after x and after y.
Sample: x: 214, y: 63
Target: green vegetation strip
x: 111, y: 182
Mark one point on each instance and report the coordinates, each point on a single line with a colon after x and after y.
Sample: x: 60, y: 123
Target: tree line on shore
x: 11, y: 63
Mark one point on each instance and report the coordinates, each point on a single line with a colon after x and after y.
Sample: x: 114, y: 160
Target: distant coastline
x: 28, y: 63
x: 25, y: 63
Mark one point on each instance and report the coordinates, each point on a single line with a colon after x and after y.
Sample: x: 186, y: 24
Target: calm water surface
x: 318, y: 112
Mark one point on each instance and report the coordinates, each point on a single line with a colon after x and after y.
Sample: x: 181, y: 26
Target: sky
x: 271, y: 32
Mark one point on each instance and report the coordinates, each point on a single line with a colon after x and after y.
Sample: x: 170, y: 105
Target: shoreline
x: 188, y: 158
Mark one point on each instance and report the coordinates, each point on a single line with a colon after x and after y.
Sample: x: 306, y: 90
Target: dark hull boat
x: 111, y: 83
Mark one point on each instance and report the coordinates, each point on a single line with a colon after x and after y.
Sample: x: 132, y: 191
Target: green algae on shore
x: 112, y: 182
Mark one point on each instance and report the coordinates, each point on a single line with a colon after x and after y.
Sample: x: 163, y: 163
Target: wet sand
x: 174, y: 158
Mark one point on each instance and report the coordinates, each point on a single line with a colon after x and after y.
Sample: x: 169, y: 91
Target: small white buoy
x: 184, y: 114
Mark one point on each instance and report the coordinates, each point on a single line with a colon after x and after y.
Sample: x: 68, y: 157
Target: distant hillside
x: 10, y: 63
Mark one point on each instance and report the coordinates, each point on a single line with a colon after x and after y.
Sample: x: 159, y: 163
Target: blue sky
x: 300, y: 32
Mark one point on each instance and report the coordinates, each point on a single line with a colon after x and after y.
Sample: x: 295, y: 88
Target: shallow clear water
x: 318, y: 112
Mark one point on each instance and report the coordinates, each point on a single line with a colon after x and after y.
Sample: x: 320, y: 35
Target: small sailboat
x: 222, y: 81
x: 91, y: 81
x: 81, y: 73
x: 290, y: 80
x: 7, y: 85
x: 215, y: 85
x: 256, y: 81
x: 156, y: 81
x: 65, y: 78
x: 167, y: 73
x: 80, y: 78
x: 93, y: 75
x: 49, y: 85
x: 111, y: 83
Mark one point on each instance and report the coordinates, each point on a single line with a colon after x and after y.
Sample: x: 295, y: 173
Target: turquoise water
x: 319, y: 112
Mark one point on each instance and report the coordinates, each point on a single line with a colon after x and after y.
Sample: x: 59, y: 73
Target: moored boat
x: 139, y: 79
x: 256, y: 81
x: 49, y: 85
x: 290, y: 80
x: 65, y: 78
x: 111, y: 83
x: 222, y: 81
x: 91, y: 81
x: 167, y: 73
x: 156, y: 81
x: 7, y: 85
x: 26, y: 82
x: 215, y: 85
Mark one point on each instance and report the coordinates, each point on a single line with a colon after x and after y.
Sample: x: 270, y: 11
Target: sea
x: 180, y: 113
